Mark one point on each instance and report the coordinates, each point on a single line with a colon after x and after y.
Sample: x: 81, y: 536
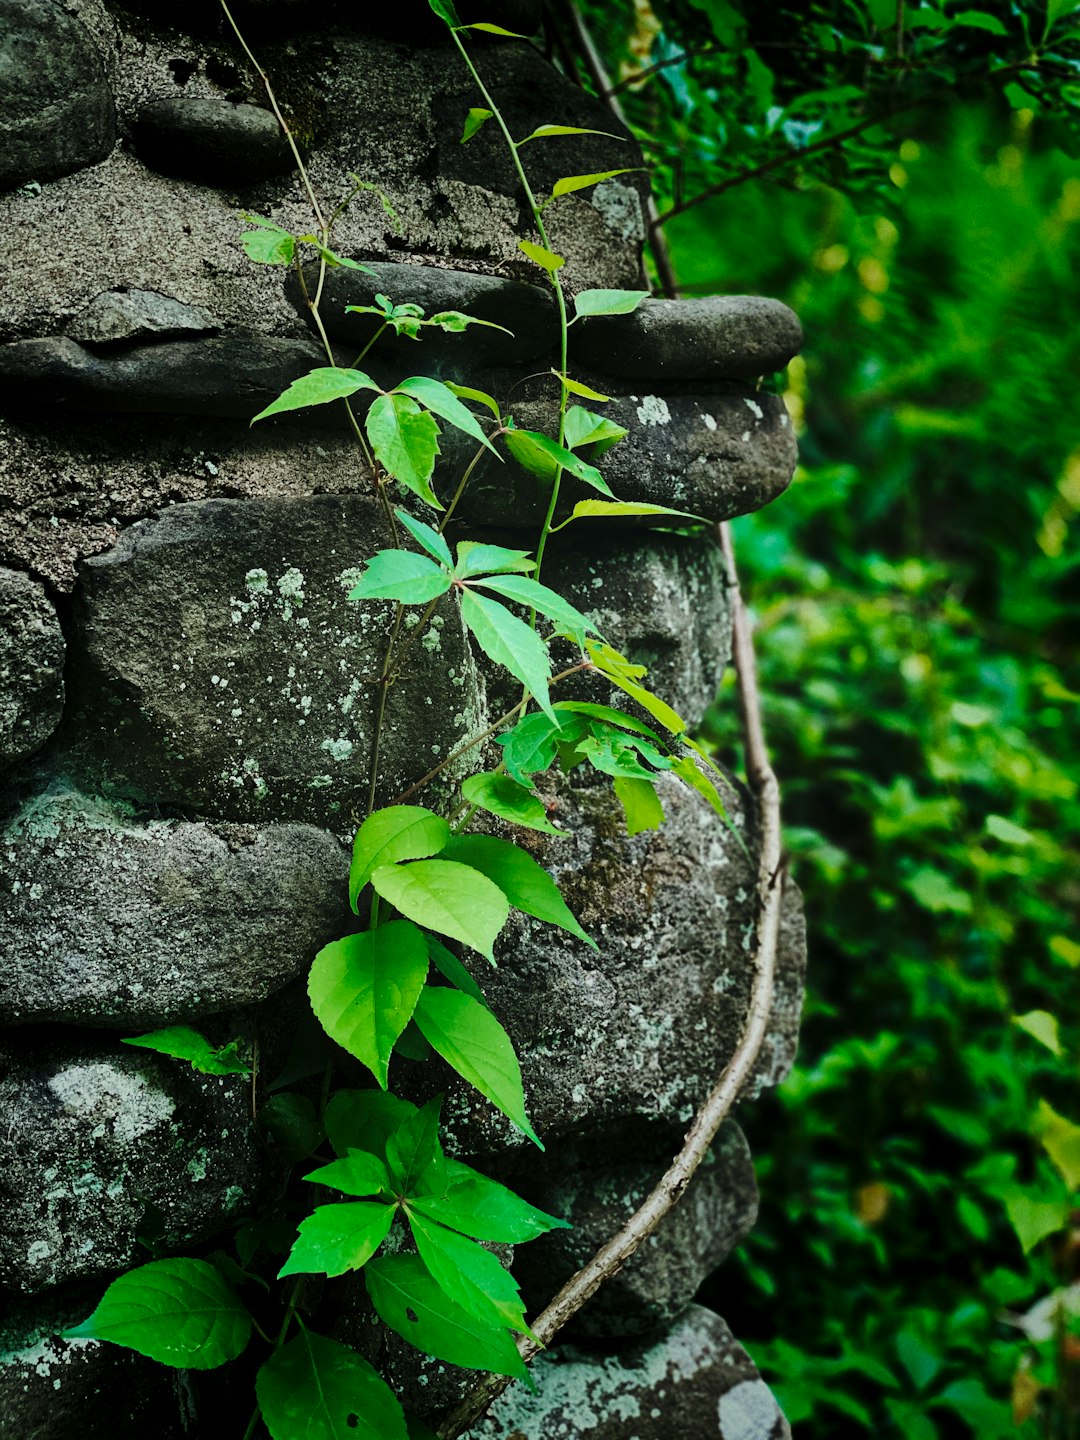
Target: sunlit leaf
x: 405, y: 440
x: 1060, y: 1138
x: 524, y: 882
x: 319, y: 387
x: 397, y: 832
x: 184, y: 1043
x: 337, y: 1238
x: 474, y: 121
x: 503, y: 796
x: 577, y: 387
x: 569, y: 183
x: 1041, y: 1026
x: 551, y: 132
x: 607, y: 302
x: 546, y: 259
x: 447, y: 898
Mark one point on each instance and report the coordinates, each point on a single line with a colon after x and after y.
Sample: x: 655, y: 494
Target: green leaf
x: 469, y: 1275
x: 398, y: 832
x: 412, y: 1045
x: 1004, y: 830
x: 472, y: 1041
x: 489, y: 29
x: 550, y: 132
x: 934, y: 891
x: 1060, y: 1138
x: 449, y: 899
x: 500, y: 795
x: 401, y: 575
x: 567, y: 619
x: 441, y: 400
x: 610, y: 663
x: 364, y: 1119
x: 364, y: 988
x: 413, y: 1147
x: 476, y: 558
x: 612, y: 752
x: 319, y: 387
x: 405, y: 440
x: 455, y: 322
x: 430, y: 539
x: 546, y: 259
x: 584, y: 428
x: 444, y: 9
x: 543, y: 457
x: 641, y: 804
x: 337, y: 1238
x: 184, y: 1043
x: 475, y: 119
x: 618, y: 718
x: 607, y: 302
x: 358, y: 1173
x: 407, y: 1299
x: 980, y: 20
x: 509, y: 642
x: 466, y: 392
x: 1034, y: 1220
x: 691, y: 775
x: 526, y: 884
x: 576, y: 387
x: 484, y: 1209
x: 292, y: 1124
x: 178, y: 1312
x: 270, y: 244
x: 319, y: 1389
x: 569, y: 183
x: 451, y: 967
x: 530, y: 746
x: 920, y: 1361
x: 1041, y: 1026
x: 383, y: 199
x: 614, y: 509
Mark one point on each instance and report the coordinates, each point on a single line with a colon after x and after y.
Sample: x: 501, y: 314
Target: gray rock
x: 106, y: 920
x: 656, y: 1285
x: 221, y: 666
x: 212, y: 141
x: 696, y: 1383
x: 119, y: 315
x: 91, y: 1136
x: 51, y: 1388
x: 56, y: 110
x: 716, y: 337
x: 31, y: 667
x: 716, y: 453
x: 231, y: 376
x: 526, y: 310
x: 642, y: 1027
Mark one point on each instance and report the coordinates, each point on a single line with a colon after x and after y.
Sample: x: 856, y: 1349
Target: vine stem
x: 718, y: 1106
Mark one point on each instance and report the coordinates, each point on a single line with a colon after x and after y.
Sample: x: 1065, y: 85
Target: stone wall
x: 186, y: 706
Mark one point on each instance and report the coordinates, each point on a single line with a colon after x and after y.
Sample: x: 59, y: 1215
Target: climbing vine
x: 421, y: 880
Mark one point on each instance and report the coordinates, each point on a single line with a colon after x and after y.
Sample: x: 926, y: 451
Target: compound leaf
x: 441, y: 400
x: 358, y: 1173
x: 429, y: 538
x: 567, y: 618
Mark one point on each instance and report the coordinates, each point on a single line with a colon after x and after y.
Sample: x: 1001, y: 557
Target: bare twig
x: 614, y: 1254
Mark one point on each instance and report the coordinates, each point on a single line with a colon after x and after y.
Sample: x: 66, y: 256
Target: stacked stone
x: 186, y: 700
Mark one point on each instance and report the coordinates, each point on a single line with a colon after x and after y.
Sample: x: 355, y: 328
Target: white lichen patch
x: 106, y: 1092
x: 754, y: 408
x: 339, y: 749
x: 653, y: 410
x: 748, y: 1412
x: 709, y: 421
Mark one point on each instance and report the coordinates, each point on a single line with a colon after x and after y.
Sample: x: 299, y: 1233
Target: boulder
x: 99, y: 1141
x: 108, y: 920
x: 31, y: 667
x: 714, y: 337
x: 656, y: 1284
x: 212, y: 141
x: 696, y: 1382
x: 221, y: 665
x: 56, y: 109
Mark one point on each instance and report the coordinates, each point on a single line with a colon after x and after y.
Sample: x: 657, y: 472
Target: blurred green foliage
x: 915, y: 593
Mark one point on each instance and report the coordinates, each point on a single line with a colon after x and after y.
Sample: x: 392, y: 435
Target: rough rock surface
x: 719, y: 337
x: 56, y: 110
x: 220, y: 665
x: 234, y: 376
x: 213, y: 141
x: 118, y: 315
x: 31, y: 667
x: 526, y: 310
x: 52, y: 1388
x: 696, y: 1383
x: 642, y: 1026
x: 95, y: 1139
x: 655, y: 1286
x: 109, y: 920
x: 716, y: 452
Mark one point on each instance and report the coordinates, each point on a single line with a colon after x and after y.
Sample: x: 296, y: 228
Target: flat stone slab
x: 31, y: 667
x: 116, y: 316
x: 56, y: 109
x: 715, y: 337
x: 212, y: 141
x: 221, y: 666
x: 232, y: 376
x: 525, y: 310
x: 107, y: 920
x: 91, y: 1136
x: 656, y: 1284
x: 696, y: 1382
